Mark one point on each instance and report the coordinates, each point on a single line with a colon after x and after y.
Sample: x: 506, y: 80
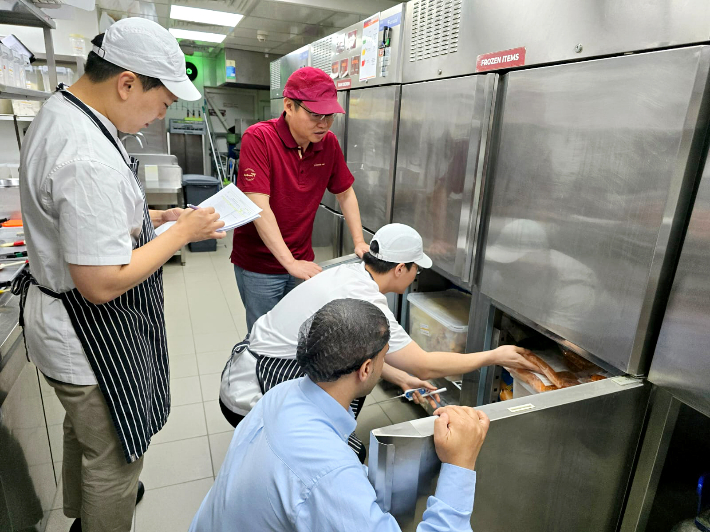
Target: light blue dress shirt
x: 289, y: 467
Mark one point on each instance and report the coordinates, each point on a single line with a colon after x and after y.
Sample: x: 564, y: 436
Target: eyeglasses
x: 315, y: 116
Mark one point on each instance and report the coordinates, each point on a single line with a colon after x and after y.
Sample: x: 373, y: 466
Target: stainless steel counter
x: 9, y: 328
x: 166, y: 193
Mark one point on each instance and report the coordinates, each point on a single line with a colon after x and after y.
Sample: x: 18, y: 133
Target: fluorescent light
x: 205, y: 16
x: 197, y: 35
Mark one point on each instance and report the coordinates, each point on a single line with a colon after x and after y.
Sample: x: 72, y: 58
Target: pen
x: 14, y: 255
x: 191, y: 206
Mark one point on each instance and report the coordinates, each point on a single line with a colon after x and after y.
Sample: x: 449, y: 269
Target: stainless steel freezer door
x: 443, y: 127
x: 681, y: 362
x: 348, y: 245
x: 326, y: 237
x: 277, y: 107
x: 559, y: 461
x: 338, y: 128
x: 373, y: 117
x: 591, y: 182
x: 349, y: 248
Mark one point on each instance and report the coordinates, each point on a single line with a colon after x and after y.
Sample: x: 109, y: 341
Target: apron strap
x: 85, y: 109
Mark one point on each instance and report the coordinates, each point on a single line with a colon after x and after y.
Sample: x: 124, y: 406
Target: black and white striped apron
x: 271, y: 371
x: 124, y: 339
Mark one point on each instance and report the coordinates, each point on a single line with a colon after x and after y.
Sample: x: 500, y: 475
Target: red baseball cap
x: 315, y: 88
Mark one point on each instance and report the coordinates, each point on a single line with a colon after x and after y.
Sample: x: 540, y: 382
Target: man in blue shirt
x: 289, y: 466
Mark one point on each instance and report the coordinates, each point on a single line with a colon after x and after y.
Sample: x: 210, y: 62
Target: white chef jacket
x: 275, y: 334
x: 80, y: 205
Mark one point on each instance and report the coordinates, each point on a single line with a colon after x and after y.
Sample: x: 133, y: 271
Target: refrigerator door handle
x: 389, y: 205
x: 474, y: 226
x: 474, y: 176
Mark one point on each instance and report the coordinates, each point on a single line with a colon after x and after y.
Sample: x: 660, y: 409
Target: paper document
x: 232, y: 205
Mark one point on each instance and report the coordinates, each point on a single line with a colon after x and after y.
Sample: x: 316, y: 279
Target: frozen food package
x: 536, y: 381
x: 575, y: 362
x: 552, y: 367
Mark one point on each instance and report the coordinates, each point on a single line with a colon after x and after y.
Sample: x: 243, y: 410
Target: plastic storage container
x: 10, y: 78
x: 197, y: 189
x: 32, y: 78
x: 65, y: 75
x: 19, y: 68
x: 438, y: 321
x: 78, y: 44
x: 3, y: 64
x: 24, y: 62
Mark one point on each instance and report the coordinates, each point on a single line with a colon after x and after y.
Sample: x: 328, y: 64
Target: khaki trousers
x: 100, y: 487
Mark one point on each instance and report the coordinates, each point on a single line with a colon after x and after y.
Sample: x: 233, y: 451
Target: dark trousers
x: 233, y: 418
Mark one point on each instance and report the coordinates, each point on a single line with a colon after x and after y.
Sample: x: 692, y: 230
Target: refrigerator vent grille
x: 435, y: 28
x: 321, y: 54
x: 275, y: 71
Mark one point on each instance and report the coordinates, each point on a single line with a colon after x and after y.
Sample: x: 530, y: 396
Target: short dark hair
x: 98, y: 69
x: 340, y: 338
x: 378, y: 265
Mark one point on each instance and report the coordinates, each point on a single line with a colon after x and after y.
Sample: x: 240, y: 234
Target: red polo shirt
x: 269, y: 163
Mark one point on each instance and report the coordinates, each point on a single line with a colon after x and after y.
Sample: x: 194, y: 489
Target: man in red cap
x: 285, y: 167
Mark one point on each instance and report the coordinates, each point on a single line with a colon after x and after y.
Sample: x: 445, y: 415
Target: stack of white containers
x: 12, y: 67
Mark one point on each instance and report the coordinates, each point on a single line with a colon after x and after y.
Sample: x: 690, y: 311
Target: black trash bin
x: 197, y: 189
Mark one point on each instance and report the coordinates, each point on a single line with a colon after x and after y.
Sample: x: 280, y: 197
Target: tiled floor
x: 205, y: 318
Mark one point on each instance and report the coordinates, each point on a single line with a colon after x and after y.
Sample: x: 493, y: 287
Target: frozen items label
x: 499, y: 60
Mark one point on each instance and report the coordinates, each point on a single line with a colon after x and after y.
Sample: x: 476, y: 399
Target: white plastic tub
x: 438, y: 321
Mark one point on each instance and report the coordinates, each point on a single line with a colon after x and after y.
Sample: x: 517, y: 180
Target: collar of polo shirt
x: 286, y: 137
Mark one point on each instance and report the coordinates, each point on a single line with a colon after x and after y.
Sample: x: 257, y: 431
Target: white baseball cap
x: 400, y: 243
x: 145, y: 47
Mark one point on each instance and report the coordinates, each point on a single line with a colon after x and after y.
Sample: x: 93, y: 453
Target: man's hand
x: 303, y: 269
x: 361, y: 248
x: 511, y: 356
x: 409, y: 383
x: 459, y: 434
x: 171, y: 215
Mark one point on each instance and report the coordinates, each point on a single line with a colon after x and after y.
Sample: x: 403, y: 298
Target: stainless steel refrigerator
x: 439, y: 179
x: 590, y: 175
x: 327, y: 234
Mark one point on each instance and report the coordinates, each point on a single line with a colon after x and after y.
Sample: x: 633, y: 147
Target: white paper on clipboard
x: 233, y: 206
x: 368, y: 59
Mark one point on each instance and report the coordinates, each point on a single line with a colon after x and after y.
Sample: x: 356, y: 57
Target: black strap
x: 83, y: 107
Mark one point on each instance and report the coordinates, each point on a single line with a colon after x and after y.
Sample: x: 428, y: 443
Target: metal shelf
x: 24, y: 13
x: 59, y: 58
x: 16, y: 93
x: 10, y: 118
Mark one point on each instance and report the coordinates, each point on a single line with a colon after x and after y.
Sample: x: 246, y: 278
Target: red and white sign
x: 343, y: 84
x: 498, y: 60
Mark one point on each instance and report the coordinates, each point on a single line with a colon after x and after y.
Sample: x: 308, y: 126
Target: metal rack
x: 24, y: 13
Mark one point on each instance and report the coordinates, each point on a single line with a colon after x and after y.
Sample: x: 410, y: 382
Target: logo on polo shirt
x: 249, y: 174
x: 319, y: 164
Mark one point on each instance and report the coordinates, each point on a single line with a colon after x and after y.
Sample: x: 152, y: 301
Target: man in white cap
x: 267, y: 356
x: 92, y: 308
